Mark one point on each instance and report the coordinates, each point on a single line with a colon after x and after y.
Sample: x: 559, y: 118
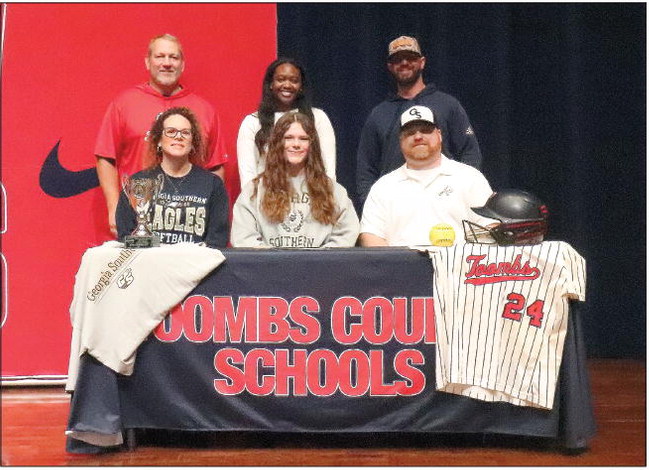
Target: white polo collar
x: 445, y: 168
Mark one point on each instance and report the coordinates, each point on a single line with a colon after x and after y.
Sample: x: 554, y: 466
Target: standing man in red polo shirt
x: 121, y: 146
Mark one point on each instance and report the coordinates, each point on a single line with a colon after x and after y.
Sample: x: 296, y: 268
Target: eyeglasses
x: 172, y: 133
x: 398, y: 57
x: 423, y: 127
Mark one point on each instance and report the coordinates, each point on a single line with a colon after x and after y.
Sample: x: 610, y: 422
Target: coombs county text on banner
x: 292, y: 346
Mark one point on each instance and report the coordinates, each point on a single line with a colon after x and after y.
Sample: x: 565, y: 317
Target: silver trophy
x: 141, y: 192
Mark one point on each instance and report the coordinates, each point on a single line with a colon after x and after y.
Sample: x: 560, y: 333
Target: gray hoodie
x: 251, y: 228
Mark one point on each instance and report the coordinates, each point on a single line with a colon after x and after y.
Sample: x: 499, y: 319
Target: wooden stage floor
x: 34, y: 420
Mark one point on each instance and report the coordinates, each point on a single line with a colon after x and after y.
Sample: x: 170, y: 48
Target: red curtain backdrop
x: 62, y: 65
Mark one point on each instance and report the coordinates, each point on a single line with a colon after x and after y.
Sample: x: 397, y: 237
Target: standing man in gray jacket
x: 378, y: 148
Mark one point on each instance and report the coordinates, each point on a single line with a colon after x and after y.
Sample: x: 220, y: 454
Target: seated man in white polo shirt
x: 429, y: 189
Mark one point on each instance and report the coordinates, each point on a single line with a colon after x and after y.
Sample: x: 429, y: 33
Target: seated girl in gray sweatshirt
x: 293, y: 203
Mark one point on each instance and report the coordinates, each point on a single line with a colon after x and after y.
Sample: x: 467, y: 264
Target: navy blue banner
x: 310, y: 341
x: 300, y: 341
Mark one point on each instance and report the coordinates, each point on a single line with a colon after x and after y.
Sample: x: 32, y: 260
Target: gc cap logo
x: 414, y: 112
x: 442, y: 235
x: 417, y: 113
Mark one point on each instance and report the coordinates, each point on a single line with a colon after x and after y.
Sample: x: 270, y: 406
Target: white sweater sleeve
x: 327, y: 141
x: 247, y: 152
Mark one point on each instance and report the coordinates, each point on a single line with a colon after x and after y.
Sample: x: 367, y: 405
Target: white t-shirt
x: 403, y: 205
x: 121, y: 295
x: 251, y: 164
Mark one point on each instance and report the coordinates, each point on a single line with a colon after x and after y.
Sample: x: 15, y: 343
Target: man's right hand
x: 112, y: 225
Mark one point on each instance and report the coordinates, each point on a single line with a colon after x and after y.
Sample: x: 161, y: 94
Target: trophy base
x: 147, y: 241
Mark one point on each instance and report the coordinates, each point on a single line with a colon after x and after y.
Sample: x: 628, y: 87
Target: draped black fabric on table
x: 556, y: 94
x: 304, y: 341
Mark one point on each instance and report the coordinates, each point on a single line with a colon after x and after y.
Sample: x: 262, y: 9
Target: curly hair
x: 268, y: 104
x: 154, y: 136
x: 276, y: 201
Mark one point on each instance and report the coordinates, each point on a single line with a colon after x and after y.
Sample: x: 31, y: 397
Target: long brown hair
x: 276, y: 201
x: 154, y: 136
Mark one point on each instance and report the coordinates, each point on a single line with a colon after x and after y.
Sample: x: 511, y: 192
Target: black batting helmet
x: 523, y: 219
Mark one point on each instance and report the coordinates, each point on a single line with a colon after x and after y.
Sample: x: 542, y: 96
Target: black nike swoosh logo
x: 57, y: 181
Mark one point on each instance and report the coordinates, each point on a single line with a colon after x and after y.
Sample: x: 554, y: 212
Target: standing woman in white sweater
x: 283, y: 90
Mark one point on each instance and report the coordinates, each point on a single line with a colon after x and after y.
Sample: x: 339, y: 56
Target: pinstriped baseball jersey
x: 501, y: 318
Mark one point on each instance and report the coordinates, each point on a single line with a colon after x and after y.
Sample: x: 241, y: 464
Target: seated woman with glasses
x: 192, y: 205
x: 293, y: 203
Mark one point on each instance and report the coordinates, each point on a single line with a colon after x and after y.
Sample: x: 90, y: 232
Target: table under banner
x: 333, y: 341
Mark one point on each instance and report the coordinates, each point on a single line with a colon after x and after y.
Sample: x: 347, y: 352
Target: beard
x: 410, y: 80
x: 424, y: 152
x: 421, y: 153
